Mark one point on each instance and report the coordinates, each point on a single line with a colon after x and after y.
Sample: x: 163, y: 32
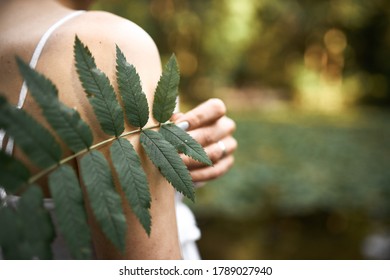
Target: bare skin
x: 100, y: 31
x: 208, y: 124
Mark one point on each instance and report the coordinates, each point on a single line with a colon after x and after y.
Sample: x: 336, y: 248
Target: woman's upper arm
x: 101, y: 32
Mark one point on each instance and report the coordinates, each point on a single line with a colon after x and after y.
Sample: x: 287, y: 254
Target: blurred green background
x: 308, y: 83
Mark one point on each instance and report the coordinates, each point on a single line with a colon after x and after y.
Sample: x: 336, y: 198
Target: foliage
x: 293, y: 164
x: 27, y: 229
x: 262, y: 43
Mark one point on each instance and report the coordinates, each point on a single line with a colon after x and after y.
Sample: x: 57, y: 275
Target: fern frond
x: 13, y: 173
x: 69, y: 209
x: 105, y: 202
x: 99, y: 91
x: 166, y: 92
x: 27, y: 231
x: 133, y: 98
x: 66, y: 122
x: 35, y: 140
x: 168, y: 161
x: 38, y: 230
x: 12, y: 242
x: 132, y: 179
x: 184, y: 143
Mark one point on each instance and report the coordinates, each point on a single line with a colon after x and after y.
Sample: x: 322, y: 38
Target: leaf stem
x: 44, y: 172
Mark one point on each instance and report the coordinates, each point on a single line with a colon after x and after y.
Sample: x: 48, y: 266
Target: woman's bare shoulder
x: 102, y: 31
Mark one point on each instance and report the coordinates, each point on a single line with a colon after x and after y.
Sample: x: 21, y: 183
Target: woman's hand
x: 208, y: 124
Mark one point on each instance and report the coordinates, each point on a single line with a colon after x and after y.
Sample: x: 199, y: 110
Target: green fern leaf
x: 69, y: 208
x: 184, y: 143
x: 166, y: 92
x: 99, y: 91
x: 38, y: 229
x: 35, y: 140
x: 132, y: 179
x: 134, y: 100
x: 10, y: 233
x: 105, y: 201
x: 13, y: 173
x: 168, y: 161
x: 12, y: 243
x: 64, y: 120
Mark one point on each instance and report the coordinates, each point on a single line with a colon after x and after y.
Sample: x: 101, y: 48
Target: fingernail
x: 183, y: 125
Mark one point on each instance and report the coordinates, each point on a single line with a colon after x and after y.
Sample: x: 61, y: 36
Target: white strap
x: 33, y: 63
x: 38, y: 51
x: 10, y: 144
x: 23, y: 92
x: 2, y: 135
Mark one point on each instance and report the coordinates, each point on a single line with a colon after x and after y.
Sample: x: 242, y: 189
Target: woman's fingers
x: 207, y: 112
x: 209, y: 126
x: 212, y: 133
x: 212, y: 172
x: 215, y: 152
